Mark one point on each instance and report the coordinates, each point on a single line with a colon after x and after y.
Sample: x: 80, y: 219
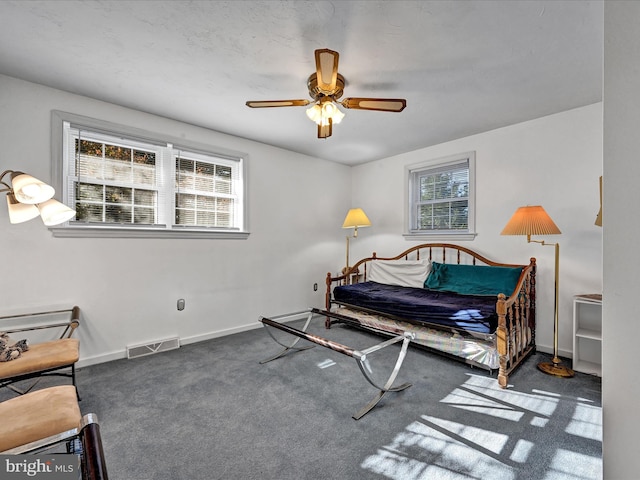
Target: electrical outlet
x: 181, y: 304
x: 315, y: 287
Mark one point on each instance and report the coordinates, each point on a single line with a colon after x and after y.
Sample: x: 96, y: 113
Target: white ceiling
x: 464, y: 67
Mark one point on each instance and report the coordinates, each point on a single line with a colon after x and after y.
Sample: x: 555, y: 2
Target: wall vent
x: 134, y: 351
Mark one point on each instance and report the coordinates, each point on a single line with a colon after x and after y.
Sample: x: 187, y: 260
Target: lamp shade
x: 356, y: 218
x: 53, y: 212
x: 30, y: 190
x: 20, y: 212
x: 530, y: 220
x: 330, y: 110
x: 315, y: 113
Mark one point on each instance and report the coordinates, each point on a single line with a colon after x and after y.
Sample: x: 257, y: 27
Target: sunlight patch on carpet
x: 586, y: 422
x: 454, y: 446
x: 422, y: 452
x: 568, y: 465
x: 541, y: 403
x: 326, y: 363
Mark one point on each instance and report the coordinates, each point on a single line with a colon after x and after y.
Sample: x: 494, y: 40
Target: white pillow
x: 403, y: 273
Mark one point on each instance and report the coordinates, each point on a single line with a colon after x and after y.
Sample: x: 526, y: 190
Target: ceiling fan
x: 326, y: 86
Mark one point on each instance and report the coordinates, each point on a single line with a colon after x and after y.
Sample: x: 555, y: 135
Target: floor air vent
x: 155, y: 347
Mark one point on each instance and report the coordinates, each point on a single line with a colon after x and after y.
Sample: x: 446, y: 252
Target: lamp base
x: 555, y: 369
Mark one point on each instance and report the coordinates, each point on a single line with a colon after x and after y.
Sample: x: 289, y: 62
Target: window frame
x: 173, y: 145
x: 411, y: 171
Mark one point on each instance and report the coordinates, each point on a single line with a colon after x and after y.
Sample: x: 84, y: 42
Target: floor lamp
x: 534, y: 220
x: 355, y: 218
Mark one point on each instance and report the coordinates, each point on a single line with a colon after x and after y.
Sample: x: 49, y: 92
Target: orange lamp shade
x: 530, y: 220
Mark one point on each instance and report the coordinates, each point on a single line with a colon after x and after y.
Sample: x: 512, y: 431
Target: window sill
x: 106, y: 232
x: 448, y: 236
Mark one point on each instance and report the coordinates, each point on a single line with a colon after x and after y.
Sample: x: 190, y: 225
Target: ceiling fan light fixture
x: 331, y: 110
x: 315, y: 113
x: 323, y: 110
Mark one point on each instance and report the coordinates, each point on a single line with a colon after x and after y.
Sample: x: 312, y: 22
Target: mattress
x: 478, y: 350
x: 469, y: 313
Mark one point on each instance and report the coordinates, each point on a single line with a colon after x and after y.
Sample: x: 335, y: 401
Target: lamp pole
x: 554, y: 367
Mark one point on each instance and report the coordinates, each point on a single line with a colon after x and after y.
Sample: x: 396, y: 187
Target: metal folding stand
x: 359, y: 355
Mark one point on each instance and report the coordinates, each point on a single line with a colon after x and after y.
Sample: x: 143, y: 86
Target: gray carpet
x: 211, y: 411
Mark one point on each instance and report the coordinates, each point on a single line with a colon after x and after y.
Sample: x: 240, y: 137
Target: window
x: 126, y: 182
x: 204, y: 192
x: 441, y: 199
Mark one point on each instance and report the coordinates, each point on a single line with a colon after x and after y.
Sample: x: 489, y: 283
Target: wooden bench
x: 55, y: 357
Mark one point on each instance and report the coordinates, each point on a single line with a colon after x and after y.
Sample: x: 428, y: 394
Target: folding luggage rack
x: 359, y: 355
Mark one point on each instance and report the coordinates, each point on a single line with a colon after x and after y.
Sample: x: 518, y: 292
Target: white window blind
x: 139, y: 185
x: 440, y: 197
x: 114, y: 181
x: 206, y: 191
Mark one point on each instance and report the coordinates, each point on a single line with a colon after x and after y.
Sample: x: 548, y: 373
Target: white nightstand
x: 587, y: 334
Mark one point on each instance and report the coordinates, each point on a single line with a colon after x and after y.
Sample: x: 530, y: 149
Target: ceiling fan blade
x: 324, y: 131
x: 380, y: 104
x: 327, y: 70
x: 277, y: 103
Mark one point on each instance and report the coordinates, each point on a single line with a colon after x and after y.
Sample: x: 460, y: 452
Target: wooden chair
x: 55, y: 357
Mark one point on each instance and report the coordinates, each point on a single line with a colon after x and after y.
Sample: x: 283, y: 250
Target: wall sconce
x: 355, y: 218
x: 535, y: 221
x: 29, y: 197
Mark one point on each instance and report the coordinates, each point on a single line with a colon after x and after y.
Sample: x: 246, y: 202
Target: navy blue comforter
x: 468, y: 312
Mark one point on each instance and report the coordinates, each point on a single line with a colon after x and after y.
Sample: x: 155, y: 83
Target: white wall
x: 621, y: 326
x: 553, y: 161
x: 128, y: 288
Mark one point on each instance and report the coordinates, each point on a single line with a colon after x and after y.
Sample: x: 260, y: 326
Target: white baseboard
x: 106, y: 357
x: 119, y: 354
x: 549, y: 350
x: 219, y: 333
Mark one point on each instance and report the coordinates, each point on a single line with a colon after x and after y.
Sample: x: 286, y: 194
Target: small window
x: 128, y: 183
x: 441, y: 199
x: 113, y: 182
x: 206, y: 192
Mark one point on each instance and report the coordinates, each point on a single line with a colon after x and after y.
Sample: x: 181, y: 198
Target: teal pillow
x: 472, y: 279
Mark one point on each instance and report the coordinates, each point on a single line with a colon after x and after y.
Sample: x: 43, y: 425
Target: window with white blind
x: 441, y: 198
x: 127, y: 182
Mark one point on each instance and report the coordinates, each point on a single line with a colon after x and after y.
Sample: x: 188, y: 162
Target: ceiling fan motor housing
x: 315, y: 92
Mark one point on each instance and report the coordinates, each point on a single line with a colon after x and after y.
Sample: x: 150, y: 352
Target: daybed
x: 454, y: 300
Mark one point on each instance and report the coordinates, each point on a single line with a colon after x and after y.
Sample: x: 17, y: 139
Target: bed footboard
x: 515, y: 335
